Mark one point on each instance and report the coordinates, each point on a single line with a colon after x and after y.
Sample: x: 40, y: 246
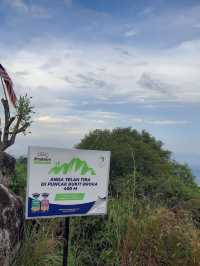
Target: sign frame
x: 27, y: 217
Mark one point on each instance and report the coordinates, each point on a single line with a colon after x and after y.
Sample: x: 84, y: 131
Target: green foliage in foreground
x: 123, y: 238
x: 153, y: 213
x: 19, y: 179
x: 164, y: 237
x: 40, y: 246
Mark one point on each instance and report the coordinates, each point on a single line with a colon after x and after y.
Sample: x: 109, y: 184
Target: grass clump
x: 164, y: 237
x: 40, y: 247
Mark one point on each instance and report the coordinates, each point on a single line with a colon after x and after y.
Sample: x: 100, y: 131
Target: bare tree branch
x: 7, y: 119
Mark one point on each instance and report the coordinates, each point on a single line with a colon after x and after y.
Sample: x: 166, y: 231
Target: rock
x: 11, y: 225
x: 7, y: 169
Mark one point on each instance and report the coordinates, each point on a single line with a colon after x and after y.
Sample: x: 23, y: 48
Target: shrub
x: 162, y: 238
x: 40, y: 246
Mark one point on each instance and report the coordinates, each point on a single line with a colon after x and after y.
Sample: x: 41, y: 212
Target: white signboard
x: 66, y: 182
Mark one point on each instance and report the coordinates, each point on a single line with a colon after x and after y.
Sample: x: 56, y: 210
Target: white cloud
x: 59, y: 72
x: 168, y: 122
x: 130, y: 33
x: 30, y: 9
x: 197, y: 25
x: 67, y: 130
x: 61, y: 75
x: 147, y: 11
x: 18, y: 4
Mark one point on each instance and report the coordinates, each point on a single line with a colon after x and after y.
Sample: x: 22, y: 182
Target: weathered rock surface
x: 11, y: 225
x: 7, y: 169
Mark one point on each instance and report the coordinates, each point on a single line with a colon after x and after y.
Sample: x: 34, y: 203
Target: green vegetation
x: 11, y: 126
x: 40, y: 246
x: 19, y: 179
x: 153, y: 215
x: 75, y: 164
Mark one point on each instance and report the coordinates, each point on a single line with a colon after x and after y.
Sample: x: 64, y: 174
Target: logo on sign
x: 76, y: 165
x: 42, y: 158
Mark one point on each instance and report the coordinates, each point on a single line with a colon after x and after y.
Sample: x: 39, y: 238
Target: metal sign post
x: 66, y: 242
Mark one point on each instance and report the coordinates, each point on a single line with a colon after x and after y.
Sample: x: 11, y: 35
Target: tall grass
x: 135, y: 232
x: 164, y: 237
x: 122, y: 238
x: 40, y: 246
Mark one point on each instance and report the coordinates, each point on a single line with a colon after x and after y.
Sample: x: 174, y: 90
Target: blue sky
x: 103, y: 64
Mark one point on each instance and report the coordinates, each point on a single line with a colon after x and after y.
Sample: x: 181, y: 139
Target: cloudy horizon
x: 99, y: 64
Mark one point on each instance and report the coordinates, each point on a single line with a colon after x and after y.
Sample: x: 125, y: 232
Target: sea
x: 196, y: 172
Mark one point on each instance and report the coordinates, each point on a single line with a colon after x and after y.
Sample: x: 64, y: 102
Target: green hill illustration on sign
x: 75, y: 165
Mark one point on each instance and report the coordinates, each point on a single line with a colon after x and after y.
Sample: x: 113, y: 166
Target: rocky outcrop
x: 7, y: 169
x: 11, y: 225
